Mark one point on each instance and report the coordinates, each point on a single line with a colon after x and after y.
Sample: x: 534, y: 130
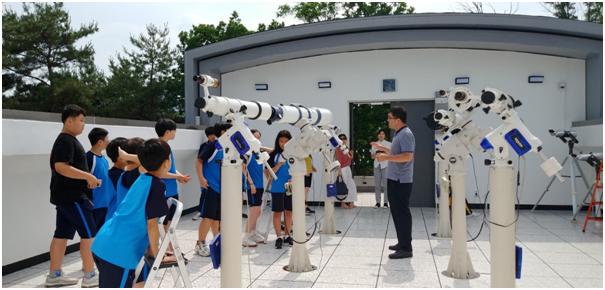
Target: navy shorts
x: 78, y: 216
x: 202, y: 197
x: 171, y: 210
x: 113, y: 276
x: 211, y: 208
x: 257, y: 198
x: 280, y: 202
x: 100, y: 216
x: 308, y: 180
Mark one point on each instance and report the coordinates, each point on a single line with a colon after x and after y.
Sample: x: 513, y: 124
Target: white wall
x: 357, y: 76
x: 28, y: 218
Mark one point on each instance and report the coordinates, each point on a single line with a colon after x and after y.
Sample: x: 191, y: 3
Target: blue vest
x: 121, y: 192
x: 102, y: 196
x: 283, y: 175
x: 212, y: 169
x: 171, y: 187
x: 123, y: 239
x: 256, y: 172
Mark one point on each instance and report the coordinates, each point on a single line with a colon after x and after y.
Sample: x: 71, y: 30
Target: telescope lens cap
x: 488, y: 97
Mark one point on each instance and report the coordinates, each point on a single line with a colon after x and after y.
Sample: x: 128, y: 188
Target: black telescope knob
x: 488, y: 97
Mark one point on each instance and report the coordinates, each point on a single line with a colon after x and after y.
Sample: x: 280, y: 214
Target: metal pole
x: 444, y: 228
x: 299, y: 257
x: 502, y: 212
x: 231, y: 224
x: 460, y: 265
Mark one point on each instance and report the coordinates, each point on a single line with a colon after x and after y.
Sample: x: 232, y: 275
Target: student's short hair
x: 163, y: 125
x: 112, y: 148
x: 342, y: 135
x: 211, y: 130
x: 383, y: 131
x: 153, y: 154
x: 97, y: 134
x: 222, y: 127
x: 399, y: 112
x: 134, y: 145
x: 255, y: 131
x: 71, y: 111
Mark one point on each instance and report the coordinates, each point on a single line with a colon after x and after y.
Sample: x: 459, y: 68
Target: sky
x: 118, y: 21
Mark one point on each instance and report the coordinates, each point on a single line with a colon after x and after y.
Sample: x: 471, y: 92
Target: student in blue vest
x: 99, y: 167
x: 130, y: 175
x: 254, y: 185
x: 166, y: 130
x: 210, y: 132
x: 69, y: 187
x: 212, y: 160
x: 118, y: 163
x: 280, y: 201
x: 123, y: 240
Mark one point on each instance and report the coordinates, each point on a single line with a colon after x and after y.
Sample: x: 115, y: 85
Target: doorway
x: 367, y: 118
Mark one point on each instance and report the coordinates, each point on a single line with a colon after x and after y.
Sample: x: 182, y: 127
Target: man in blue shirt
x: 400, y: 175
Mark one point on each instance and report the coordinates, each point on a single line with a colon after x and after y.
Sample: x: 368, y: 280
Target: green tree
x: 365, y: 9
x: 594, y: 12
x: 563, y: 10
x: 38, y: 53
x: 140, y: 84
x: 273, y: 25
x: 310, y: 11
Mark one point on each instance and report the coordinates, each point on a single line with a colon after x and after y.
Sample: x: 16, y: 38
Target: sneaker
x: 289, y: 241
x: 90, y: 280
x: 401, y: 254
x: 263, y: 236
x: 386, y: 205
x: 258, y: 238
x: 248, y: 241
x: 309, y: 210
x: 196, y: 217
x: 377, y: 205
x: 395, y: 247
x: 57, y: 280
x: 202, y: 249
x: 278, y: 243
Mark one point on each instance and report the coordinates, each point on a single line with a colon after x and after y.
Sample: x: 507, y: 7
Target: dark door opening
x: 367, y: 118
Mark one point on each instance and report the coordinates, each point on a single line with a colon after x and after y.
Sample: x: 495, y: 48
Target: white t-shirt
x: 383, y: 164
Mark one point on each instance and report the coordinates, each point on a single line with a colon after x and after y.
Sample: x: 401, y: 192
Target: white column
x: 328, y: 226
x: 444, y: 228
x: 460, y: 265
x: 502, y: 239
x: 299, y: 257
x: 231, y: 224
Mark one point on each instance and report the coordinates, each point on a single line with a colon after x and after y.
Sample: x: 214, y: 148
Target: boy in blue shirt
x: 118, y: 163
x: 166, y: 130
x: 123, y: 240
x: 211, y: 157
x: 254, y: 185
x: 99, y: 167
x: 130, y: 174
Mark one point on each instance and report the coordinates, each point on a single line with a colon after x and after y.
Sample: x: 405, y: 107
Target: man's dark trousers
x: 399, y: 199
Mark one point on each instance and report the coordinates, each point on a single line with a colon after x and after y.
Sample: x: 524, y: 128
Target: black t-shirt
x: 156, y: 202
x: 130, y: 177
x: 114, y: 175
x: 65, y: 190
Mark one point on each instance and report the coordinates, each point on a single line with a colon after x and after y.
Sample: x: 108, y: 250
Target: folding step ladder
x: 179, y: 270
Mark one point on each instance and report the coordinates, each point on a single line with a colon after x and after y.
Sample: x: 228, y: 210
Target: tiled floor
x: 555, y: 254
